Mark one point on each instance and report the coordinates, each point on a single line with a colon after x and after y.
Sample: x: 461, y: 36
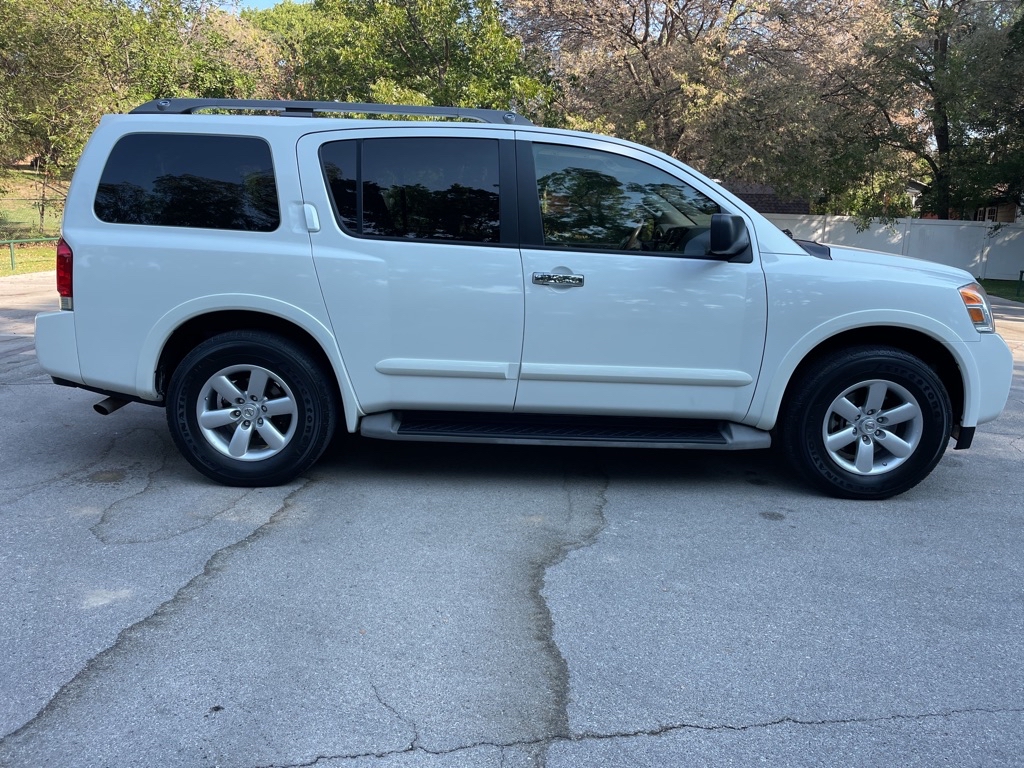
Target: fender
x: 164, y: 328
x: 771, y: 389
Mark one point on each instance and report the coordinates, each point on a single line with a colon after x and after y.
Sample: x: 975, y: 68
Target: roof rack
x: 309, y: 108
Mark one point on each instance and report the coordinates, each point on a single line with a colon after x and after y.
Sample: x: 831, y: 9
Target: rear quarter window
x: 189, y: 180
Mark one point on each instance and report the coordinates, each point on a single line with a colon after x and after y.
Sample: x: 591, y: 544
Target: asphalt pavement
x: 415, y: 605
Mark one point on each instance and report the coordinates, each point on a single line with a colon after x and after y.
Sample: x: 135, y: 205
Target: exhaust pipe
x: 108, y: 406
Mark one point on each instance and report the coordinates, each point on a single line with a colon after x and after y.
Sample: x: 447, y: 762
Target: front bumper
x: 988, y: 375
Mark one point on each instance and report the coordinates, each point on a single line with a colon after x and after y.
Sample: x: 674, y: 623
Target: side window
x: 415, y: 188
x: 593, y: 200
x: 189, y: 180
x: 338, y: 161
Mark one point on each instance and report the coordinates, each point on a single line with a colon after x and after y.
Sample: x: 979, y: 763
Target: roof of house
x: 764, y: 199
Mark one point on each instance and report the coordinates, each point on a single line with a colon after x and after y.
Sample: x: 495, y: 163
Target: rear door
x: 417, y: 254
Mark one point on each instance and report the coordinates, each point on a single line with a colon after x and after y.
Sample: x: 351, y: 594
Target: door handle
x: 566, y: 281
x: 312, y: 217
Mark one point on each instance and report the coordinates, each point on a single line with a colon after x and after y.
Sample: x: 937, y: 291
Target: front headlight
x: 976, y: 301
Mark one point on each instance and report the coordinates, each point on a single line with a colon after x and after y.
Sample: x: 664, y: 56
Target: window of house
x: 430, y: 188
x: 189, y: 180
x: 597, y: 200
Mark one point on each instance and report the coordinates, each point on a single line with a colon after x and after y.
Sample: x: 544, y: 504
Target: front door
x: 625, y: 314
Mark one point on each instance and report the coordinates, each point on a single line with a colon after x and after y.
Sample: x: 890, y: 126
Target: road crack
x: 584, y: 505
x: 664, y: 730
x: 131, y: 634
x: 414, y: 743
x: 723, y: 727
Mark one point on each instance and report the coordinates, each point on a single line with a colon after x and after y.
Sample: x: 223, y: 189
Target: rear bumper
x: 57, y: 345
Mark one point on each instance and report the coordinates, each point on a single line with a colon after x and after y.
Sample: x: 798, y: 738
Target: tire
x: 251, y: 408
x: 866, y: 423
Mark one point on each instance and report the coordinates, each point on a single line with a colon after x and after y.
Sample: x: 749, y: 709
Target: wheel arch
x: 934, y: 353
x: 197, y: 328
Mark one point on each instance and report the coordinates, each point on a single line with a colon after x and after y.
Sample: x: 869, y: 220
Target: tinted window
x: 416, y: 188
x: 602, y: 201
x: 189, y: 180
x: 338, y: 160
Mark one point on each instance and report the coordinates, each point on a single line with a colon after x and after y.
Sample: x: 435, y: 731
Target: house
x: 764, y: 199
x: 1000, y: 210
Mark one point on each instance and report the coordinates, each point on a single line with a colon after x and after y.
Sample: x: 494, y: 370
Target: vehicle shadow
x: 460, y: 462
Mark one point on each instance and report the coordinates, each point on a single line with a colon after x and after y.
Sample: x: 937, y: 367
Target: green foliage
x: 286, y: 26
x: 841, y: 103
x: 39, y: 257
x: 443, y: 52
x: 881, y: 197
x: 31, y: 205
x: 943, y: 90
x: 65, y: 63
x: 998, y: 116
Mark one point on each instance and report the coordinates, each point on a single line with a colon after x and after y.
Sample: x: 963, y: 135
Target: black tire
x: 263, y: 437
x: 865, y: 423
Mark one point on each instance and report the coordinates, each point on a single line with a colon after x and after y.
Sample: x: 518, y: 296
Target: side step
x: 540, y: 429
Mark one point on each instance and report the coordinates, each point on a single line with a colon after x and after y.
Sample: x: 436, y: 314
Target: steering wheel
x: 632, y: 243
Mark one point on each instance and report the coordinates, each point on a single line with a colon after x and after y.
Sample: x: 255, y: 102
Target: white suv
x: 266, y: 275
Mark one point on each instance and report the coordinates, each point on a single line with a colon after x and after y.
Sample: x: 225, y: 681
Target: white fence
x: 983, y: 249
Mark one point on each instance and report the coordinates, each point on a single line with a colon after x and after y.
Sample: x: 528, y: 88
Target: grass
x: 38, y: 257
x: 1004, y: 289
x: 20, y: 198
x: 20, y: 193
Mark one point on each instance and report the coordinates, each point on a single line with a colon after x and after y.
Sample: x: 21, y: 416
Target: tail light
x: 64, y: 284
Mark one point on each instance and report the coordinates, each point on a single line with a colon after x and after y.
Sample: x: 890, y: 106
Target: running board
x: 539, y: 429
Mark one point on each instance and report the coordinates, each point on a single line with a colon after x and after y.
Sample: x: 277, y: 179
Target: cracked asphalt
x: 443, y: 606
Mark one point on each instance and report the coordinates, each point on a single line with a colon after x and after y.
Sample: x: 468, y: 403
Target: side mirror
x: 729, y: 237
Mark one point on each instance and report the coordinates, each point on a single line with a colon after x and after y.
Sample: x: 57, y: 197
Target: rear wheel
x: 250, y: 408
x: 866, y: 423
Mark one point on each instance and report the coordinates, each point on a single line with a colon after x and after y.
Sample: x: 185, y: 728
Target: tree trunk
x: 940, y: 127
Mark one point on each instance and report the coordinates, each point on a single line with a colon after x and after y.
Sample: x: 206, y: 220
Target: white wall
x: 1003, y: 259
x: 982, y: 248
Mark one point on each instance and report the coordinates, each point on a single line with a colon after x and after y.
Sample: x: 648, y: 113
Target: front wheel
x: 250, y: 408
x: 866, y: 423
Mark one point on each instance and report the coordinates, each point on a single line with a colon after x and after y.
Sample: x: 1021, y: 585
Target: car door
x: 625, y: 311
x: 414, y: 236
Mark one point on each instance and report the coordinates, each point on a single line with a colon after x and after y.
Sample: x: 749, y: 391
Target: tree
x: 65, y: 63
x: 998, y: 114
x: 929, y: 86
x: 739, y: 90
x: 52, y: 79
x: 234, y: 58
x: 444, y: 52
x: 286, y: 26
x: 840, y: 102
x: 648, y: 70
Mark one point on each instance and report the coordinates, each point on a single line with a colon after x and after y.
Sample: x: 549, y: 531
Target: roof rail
x: 309, y: 108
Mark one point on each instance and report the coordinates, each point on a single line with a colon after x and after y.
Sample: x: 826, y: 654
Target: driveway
x: 415, y: 605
